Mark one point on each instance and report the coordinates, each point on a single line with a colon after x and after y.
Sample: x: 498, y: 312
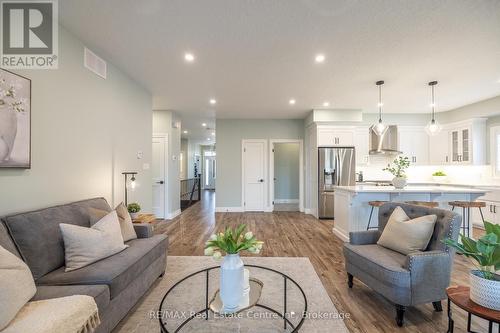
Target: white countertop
x: 409, y: 189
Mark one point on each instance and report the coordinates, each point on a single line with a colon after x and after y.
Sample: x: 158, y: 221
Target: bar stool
x: 428, y: 204
x: 466, y: 206
x: 373, y: 204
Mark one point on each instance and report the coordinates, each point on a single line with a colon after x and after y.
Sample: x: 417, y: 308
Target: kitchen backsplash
x: 456, y: 174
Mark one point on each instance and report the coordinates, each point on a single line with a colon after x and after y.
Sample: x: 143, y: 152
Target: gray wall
x: 85, y: 132
x: 184, y: 162
x: 162, y: 124
x: 286, y: 170
x: 230, y: 133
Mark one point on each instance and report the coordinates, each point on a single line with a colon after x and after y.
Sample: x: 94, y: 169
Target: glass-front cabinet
x: 460, y: 145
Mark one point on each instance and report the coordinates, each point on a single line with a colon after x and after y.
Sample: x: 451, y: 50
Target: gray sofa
x: 420, y: 277
x: 116, y: 283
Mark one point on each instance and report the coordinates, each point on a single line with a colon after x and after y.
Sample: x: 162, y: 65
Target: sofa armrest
x: 364, y: 237
x: 143, y: 230
x: 430, y: 273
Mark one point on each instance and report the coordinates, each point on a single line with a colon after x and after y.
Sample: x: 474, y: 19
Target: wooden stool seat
x: 373, y: 204
x: 428, y: 204
x: 467, y: 204
x: 376, y: 203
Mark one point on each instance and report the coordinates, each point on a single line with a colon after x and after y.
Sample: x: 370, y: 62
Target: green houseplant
x: 485, y: 255
x: 134, y: 209
x: 398, y: 169
x: 232, y: 242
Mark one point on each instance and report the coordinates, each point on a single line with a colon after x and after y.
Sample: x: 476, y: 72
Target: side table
x: 460, y: 296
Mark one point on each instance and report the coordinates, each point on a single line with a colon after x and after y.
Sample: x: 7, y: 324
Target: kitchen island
x: 352, y: 210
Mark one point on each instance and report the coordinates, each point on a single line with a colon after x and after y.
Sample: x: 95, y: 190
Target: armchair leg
x: 350, y: 279
x: 437, y: 306
x: 400, y: 313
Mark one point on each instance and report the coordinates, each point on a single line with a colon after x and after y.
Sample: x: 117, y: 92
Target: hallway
x: 293, y: 234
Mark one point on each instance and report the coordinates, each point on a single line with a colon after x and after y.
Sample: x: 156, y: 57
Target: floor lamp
x: 132, y: 183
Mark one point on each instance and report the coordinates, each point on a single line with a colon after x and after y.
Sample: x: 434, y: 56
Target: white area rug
x: 323, y: 316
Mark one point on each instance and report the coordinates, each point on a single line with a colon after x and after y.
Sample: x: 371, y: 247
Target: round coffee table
x: 460, y: 296
x: 282, y: 306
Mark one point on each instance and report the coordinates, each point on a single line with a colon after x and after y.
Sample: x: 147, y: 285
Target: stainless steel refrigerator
x: 336, y: 166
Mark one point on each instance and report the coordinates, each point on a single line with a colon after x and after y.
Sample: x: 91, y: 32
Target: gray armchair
x: 405, y: 280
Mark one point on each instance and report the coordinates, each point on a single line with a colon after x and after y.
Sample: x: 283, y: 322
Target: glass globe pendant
x: 379, y: 128
x: 433, y: 127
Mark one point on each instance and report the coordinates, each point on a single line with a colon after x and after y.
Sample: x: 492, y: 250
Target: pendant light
x: 433, y: 127
x: 379, y: 128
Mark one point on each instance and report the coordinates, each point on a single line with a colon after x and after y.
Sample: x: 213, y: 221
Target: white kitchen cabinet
x: 335, y: 136
x: 439, y: 152
x: 467, y: 142
x: 361, y: 144
x: 414, y: 143
x: 491, y: 213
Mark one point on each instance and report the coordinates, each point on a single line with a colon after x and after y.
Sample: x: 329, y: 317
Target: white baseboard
x: 340, y: 235
x: 286, y: 201
x: 173, y: 215
x: 228, y: 209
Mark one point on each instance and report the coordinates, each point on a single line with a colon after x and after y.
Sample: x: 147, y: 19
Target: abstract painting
x: 15, y: 121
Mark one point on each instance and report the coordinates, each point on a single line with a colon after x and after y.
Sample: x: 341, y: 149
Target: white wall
x: 162, y: 124
x: 85, y: 132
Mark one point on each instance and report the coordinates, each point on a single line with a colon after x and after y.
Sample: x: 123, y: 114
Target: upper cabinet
x: 361, y: 144
x: 439, y: 148
x: 414, y: 143
x: 467, y: 142
x: 335, y: 136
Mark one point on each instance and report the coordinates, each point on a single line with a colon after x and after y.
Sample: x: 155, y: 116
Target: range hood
x: 385, y: 144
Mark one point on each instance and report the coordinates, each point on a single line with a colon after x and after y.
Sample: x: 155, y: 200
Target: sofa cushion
x: 387, y: 265
x: 84, y: 246
x: 6, y: 242
x: 117, y: 271
x: 99, y: 292
x: 38, y: 237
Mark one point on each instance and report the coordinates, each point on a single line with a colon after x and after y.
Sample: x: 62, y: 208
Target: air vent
x: 95, y: 64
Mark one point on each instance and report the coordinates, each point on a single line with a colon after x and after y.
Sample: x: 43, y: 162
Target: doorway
x: 286, y: 175
x: 159, y: 170
x: 210, y: 172
x: 254, y: 182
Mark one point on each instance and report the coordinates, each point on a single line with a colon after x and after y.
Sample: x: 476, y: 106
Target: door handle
x: 491, y: 209
x: 495, y: 209
x: 160, y: 182
x: 261, y: 180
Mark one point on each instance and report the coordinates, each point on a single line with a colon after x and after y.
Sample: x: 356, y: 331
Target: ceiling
x: 254, y: 56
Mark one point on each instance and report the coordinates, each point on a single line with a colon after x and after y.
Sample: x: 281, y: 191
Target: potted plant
x: 398, y: 168
x: 134, y: 209
x: 485, y: 255
x: 439, y: 176
x: 231, y: 242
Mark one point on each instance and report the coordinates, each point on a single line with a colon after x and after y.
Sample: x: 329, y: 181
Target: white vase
x: 8, y: 132
x: 231, y: 282
x: 134, y: 215
x: 484, y: 292
x: 399, y: 182
x: 439, y: 179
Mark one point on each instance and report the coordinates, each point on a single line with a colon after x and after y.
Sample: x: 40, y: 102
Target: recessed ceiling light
x: 185, y: 132
x: 189, y: 57
x: 292, y: 101
x: 319, y: 58
x: 213, y: 101
x: 204, y: 125
x: 326, y: 104
x: 213, y: 133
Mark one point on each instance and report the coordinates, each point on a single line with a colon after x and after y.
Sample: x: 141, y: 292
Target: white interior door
x: 254, y: 175
x: 159, y: 176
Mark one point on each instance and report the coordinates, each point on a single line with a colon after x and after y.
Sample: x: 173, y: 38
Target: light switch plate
x: 145, y: 166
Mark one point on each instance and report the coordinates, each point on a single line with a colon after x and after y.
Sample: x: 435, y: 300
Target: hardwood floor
x: 291, y: 234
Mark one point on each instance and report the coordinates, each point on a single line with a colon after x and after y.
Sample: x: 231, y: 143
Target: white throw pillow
x: 126, y: 225
x: 17, y: 286
x: 84, y: 246
x: 406, y: 236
